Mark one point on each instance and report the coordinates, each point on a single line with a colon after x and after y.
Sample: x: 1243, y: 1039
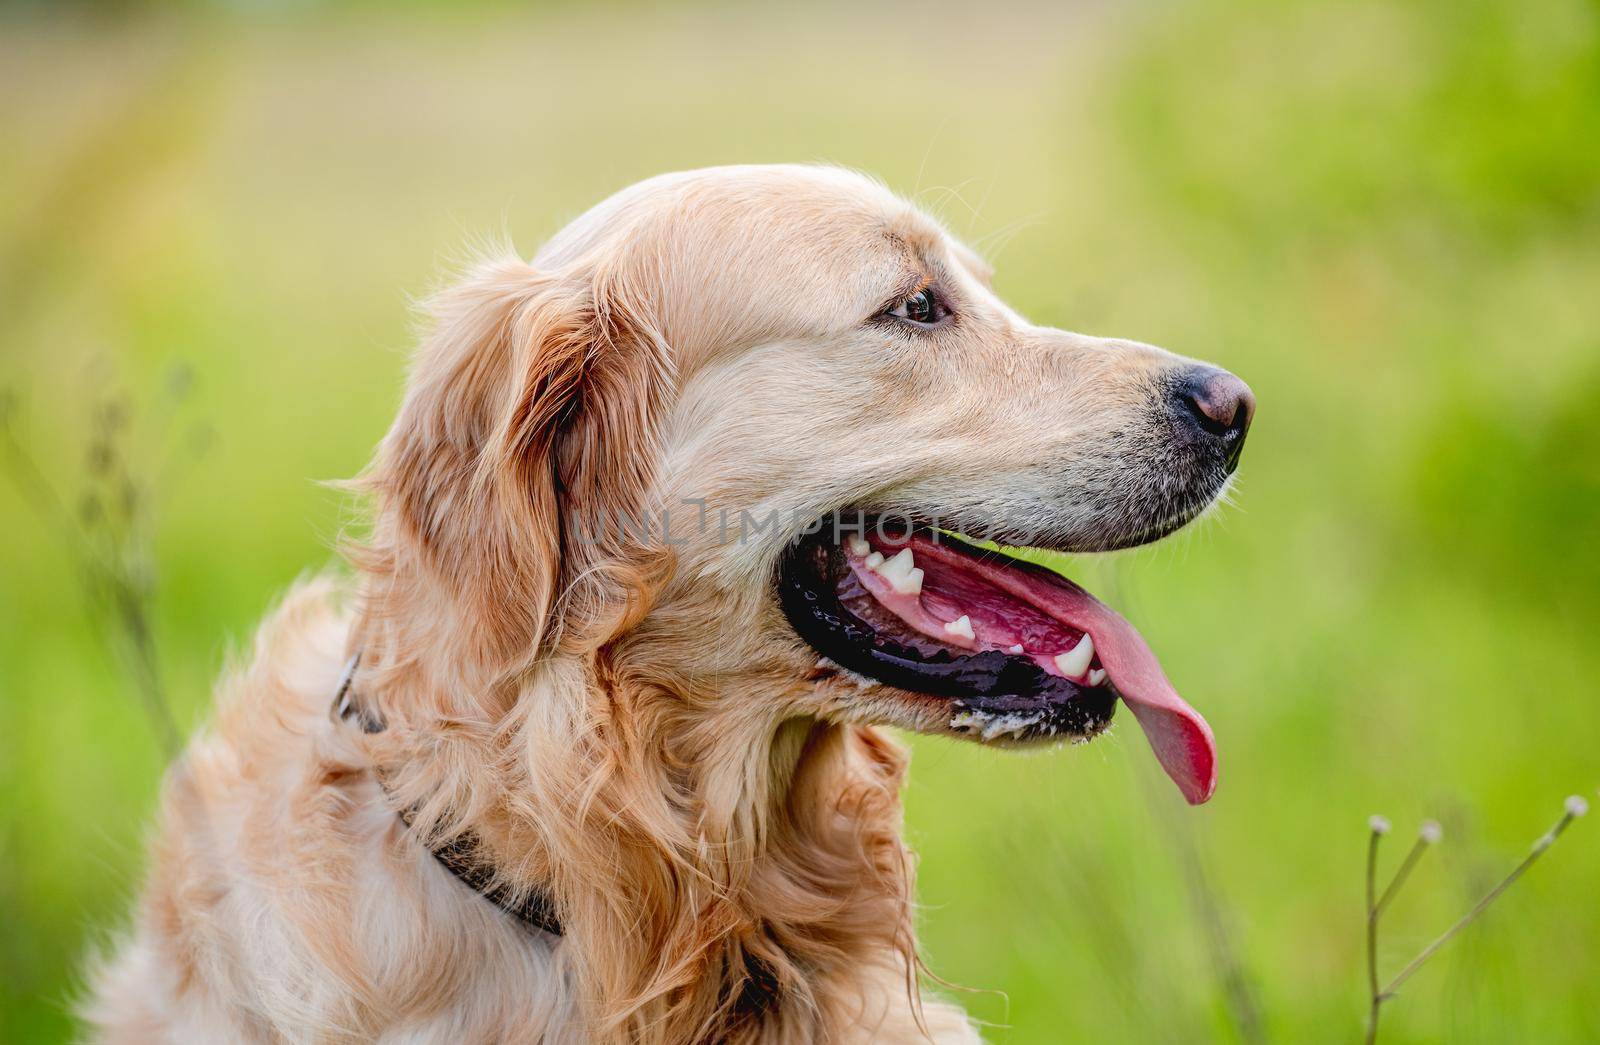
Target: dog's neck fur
x: 716, y: 876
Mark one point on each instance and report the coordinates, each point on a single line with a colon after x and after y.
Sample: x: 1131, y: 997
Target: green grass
x: 1386, y: 217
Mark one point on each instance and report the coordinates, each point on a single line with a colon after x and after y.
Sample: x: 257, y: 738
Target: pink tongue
x: 1180, y: 738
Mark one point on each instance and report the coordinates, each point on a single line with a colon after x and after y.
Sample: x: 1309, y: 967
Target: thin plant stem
x: 108, y: 576
x: 1241, y: 1001
x: 1400, y: 877
x: 31, y: 479
x: 133, y: 613
x: 1539, y: 847
x: 1374, y: 1000
x: 1211, y: 912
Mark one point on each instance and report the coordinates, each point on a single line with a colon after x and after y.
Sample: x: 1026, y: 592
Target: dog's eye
x: 923, y: 307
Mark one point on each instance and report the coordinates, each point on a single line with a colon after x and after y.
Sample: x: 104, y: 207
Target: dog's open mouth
x: 1016, y: 650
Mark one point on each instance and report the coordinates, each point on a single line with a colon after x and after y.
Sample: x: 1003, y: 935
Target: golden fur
x: 624, y: 722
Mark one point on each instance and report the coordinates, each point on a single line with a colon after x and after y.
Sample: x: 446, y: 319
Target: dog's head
x: 736, y: 418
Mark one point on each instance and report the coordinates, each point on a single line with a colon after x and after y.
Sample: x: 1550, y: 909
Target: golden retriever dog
x: 674, y: 519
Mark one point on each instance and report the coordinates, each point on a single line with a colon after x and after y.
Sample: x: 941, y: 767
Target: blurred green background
x: 1385, y: 216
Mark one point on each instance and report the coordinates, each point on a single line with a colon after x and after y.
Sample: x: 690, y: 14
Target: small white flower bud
x: 1380, y: 824
x: 1576, y: 805
x: 1430, y: 832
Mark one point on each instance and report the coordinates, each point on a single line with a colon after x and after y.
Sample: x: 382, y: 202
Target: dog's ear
x: 531, y: 404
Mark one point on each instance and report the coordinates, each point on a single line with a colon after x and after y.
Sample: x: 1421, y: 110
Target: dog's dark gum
x: 990, y: 682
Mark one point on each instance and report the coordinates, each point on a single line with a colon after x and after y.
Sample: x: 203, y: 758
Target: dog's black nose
x: 1218, y: 404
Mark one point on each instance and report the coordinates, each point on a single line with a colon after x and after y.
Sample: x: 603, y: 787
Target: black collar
x: 757, y: 992
x: 458, y: 856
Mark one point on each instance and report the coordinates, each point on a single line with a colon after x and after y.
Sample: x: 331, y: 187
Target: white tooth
x: 1097, y: 676
x: 874, y: 560
x: 858, y: 545
x: 962, y: 626
x: 900, y: 565
x: 1015, y: 649
x: 1076, y: 661
x: 902, y: 574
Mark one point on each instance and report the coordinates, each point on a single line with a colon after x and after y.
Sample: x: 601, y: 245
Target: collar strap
x: 760, y: 987
x: 458, y: 855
